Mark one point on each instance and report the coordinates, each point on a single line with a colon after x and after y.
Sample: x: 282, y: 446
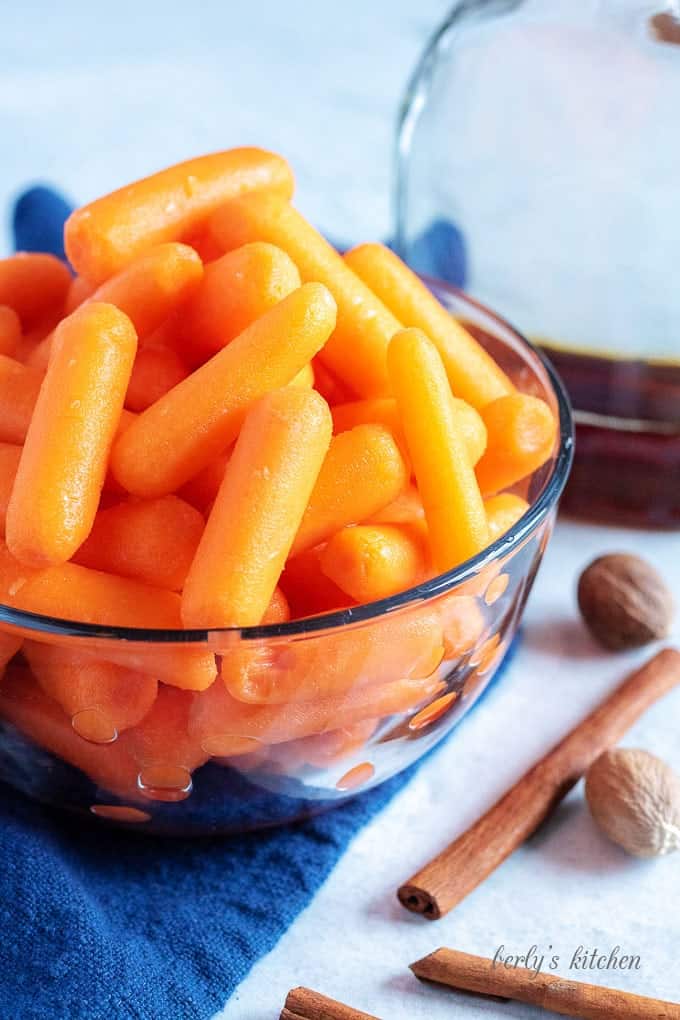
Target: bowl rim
x: 419, y: 594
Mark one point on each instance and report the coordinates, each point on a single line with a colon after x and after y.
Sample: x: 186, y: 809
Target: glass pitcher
x: 538, y: 168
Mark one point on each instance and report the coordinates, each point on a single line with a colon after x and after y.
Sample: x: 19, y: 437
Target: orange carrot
x: 472, y: 372
x: 147, y: 290
x: 522, y: 432
x: 258, y: 510
x: 10, y: 331
x: 408, y: 645
x: 34, y: 285
x: 112, y: 231
x: 63, y: 464
x: 9, y: 463
x: 407, y: 508
x: 236, y: 289
x: 207, y: 247
x: 307, y: 588
x: 19, y: 388
x: 305, y: 378
x: 100, y: 698
x: 374, y: 561
x: 324, y: 749
x: 375, y: 411
x: 152, y: 540
x: 356, y: 352
x: 202, y: 489
x: 79, y: 291
x: 226, y: 726
x: 453, y: 505
x: 463, y: 622
x: 198, y: 419
x: 165, y: 752
x: 152, y: 286
x: 363, y: 472
x: 330, y: 388
x: 383, y: 410
x: 321, y: 750
x: 111, y: 486
x: 34, y: 343
x: 9, y: 646
x: 278, y: 610
x: 502, y: 512
x: 72, y: 592
x: 155, y: 371
x: 27, y: 707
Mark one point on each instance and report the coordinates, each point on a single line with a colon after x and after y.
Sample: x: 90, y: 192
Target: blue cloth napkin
x: 97, y: 924
x: 38, y: 220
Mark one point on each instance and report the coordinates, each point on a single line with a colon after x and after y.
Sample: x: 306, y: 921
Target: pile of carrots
x: 221, y: 422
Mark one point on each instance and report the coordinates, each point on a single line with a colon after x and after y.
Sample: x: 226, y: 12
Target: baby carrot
x: 197, y: 420
x: 330, y: 388
x: 502, y: 512
x: 147, y: 290
x: 363, y: 472
x: 356, y: 352
x: 463, y: 622
x: 383, y: 410
x: 305, y: 378
x: 111, y: 486
x: 226, y: 726
x: 165, y: 752
x: 27, y: 707
x: 205, y: 244
x: 324, y: 749
x: 236, y: 289
x: 64, y: 460
x: 202, y: 489
x: 278, y: 610
x: 101, y: 698
x: 34, y: 285
x: 374, y: 561
x: 308, y: 590
x: 407, y: 508
x: 19, y: 388
x: 152, y: 286
x: 473, y: 373
x: 10, y: 331
x: 374, y: 411
x: 155, y: 371
x: 152, y: 540
x: 9, y: 463
x: 521, y: 431
x: 72, y: 592
x: 79, y: 290
x: 9, y: 646
x: 453, y: 505
x: 406, y: 645
x: 110, y: 232
x: 258, y: 510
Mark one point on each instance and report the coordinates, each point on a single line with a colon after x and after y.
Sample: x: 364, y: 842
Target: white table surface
x: 91, y: 96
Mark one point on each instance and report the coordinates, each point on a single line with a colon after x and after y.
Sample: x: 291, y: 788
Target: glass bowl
x: 304, y: 714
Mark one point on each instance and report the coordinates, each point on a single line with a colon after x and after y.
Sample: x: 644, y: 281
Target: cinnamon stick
x: 305, y: 1004
x: 466, y: 862
x: 569, y: 998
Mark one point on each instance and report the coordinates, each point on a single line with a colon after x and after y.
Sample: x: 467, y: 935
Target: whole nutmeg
x: 635, y: 799
x: 624, y: 601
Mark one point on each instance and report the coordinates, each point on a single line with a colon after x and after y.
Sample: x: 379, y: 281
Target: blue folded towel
x: 38, y: 220
x: 98, y: 924
x: 101, y: 925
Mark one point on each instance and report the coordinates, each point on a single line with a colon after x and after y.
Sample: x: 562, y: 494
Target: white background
x: 92, y: 95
